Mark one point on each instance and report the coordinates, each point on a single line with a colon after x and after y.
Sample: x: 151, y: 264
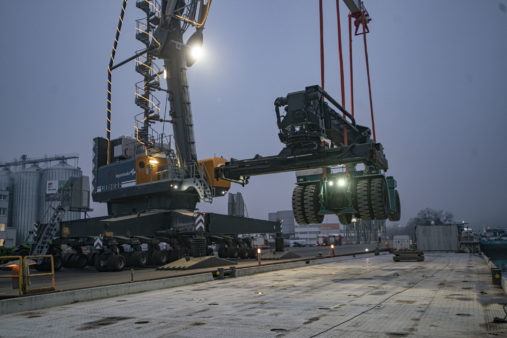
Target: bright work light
x: 196, y: 52
x: 194, y: 47
x: 342, y: 182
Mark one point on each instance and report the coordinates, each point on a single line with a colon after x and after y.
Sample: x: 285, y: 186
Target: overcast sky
x: 439, y: 79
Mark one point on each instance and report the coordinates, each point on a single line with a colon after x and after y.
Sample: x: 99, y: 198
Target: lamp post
x: 259, y: 256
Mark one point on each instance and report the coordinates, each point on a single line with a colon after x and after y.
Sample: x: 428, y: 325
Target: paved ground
x: 448, y: 295
x: 70, y: 279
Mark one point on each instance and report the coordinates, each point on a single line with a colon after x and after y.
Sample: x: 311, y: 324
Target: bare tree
x: 426, y: 216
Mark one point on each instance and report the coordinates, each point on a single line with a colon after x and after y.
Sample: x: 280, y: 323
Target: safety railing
x: 28, y: 274
x: 21, y: 274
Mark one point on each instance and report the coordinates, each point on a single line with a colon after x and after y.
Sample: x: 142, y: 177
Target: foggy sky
x: 438, y: 69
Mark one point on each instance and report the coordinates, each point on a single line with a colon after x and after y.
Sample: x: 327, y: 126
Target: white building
x: 288, y: 222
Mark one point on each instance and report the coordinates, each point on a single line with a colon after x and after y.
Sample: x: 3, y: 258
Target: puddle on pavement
x: 101, y: 323
x: 355, y: 280
x: 311, y: 320
x: 397, y: 334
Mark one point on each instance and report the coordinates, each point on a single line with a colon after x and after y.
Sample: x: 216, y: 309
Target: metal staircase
x: 45, y: 235
x: 145, y: 66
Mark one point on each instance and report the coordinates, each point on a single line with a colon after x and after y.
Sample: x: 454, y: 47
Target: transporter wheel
x: 395, y: 216
x: 117, y: 263
x: 298, y: 207
x: 232, y: 252
x: 91, y: 259
x: 312, y: 204
x: 243, y: 253
x: 140, y: 258
x: 101, y: 262
x: 379, y: 198
x: 67, y: 260
x: 252, y: 253
x: 80, y: 261
x: 362, y: 196
x: 222, y: 252
x: 199, y: 247
x: 160, y: 257
x: 345, y: 219
x: 57, y: 262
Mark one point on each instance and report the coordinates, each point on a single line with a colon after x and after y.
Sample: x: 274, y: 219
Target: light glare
x: 341, y: 182
x: 196, y: 52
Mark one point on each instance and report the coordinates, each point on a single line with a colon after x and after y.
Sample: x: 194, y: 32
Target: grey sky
x: 439, y: 86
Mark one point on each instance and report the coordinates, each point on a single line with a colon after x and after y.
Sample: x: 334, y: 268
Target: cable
x: 321, y: 17
x: 351, y: 68
x: 109, y: 78
x: 363, y: 19
x: 342, y: 80
x: 195, y: 23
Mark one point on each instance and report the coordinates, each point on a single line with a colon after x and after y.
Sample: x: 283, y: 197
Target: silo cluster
x: 25, y: 183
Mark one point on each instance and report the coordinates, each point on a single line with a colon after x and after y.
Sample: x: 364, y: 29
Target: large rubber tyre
x: 160, y: 257
x: 80, y: 261
x: 252, y: 253
x: 67, y: 260
x: 243, y: 253
x: 101, y: 262
x: 362, y: 197
x: 298, y: 207
x: 140, y: 258
x: 91, y: 259
x: 222, y: 252
x: 232, y: 252
x: 198, y: 246
x: 395, y: 217
x: 345, y: 219
x: 379, y: 198
x: 57, y: 262
x: 117, y: 263
x: 312, y: 204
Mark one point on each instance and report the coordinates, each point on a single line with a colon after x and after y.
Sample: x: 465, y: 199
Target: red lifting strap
x: 365, y: 30
x: 321, y: 45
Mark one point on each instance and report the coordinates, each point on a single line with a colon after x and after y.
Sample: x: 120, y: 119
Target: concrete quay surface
x: 72, y: 279
x: 447, y: 295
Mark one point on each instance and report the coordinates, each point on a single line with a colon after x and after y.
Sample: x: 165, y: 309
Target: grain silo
x: 26, y: 197
x: 56, y: 175
x: 5, y: 179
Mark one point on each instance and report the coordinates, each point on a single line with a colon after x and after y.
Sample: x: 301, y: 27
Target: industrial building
x: 288, y: 222
x: 26, y: 187
x: 236, y: 205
